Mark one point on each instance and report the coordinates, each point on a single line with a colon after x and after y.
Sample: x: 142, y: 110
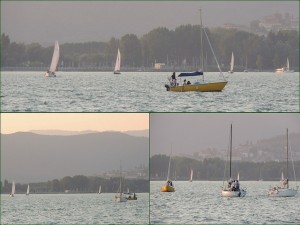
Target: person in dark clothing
x: 173, y: 79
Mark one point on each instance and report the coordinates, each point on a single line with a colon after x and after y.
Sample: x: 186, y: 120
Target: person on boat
x: 173, y: 79
x: 188, y: 82
x: 229, y: 183
x: 184, y: 82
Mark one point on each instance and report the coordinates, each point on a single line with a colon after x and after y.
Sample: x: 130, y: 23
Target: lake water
x: 200, y: 202
x: 145, y: 92
x: 73, y: 209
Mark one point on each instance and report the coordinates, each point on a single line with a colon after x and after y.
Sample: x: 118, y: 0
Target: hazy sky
x: 14, y: 122
x: 77, y: 21
x: 188, y: 132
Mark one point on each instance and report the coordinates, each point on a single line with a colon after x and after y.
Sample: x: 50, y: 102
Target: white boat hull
x: 120, y: 198
x: 227, y: 193
x: 50, y: 74
x: 282, y: 192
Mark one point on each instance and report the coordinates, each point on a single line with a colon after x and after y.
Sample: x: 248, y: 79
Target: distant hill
x: 137, y: 133
x: 33, y: 157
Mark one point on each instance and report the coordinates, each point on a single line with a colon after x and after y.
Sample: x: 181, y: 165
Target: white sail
x: 287, y: 64
x: 118, y: 62
x: 55, y: 58
x: 27, y: 192
x: 13, y: 189
x: 191, y: 178
x: 232, y: 62
x: 238, y: 176
x: 99, y: 192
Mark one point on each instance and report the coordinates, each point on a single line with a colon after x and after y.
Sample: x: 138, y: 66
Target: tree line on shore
x: 178, y: 48
x: 80, y: 184
x: 213, y: 169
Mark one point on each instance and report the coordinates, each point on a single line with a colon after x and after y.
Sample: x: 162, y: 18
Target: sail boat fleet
x: 233, y: 187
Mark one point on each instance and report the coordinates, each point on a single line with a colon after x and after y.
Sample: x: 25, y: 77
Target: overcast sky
x: 187, y: 132
x: 78, y: 21
x: 16, y: 122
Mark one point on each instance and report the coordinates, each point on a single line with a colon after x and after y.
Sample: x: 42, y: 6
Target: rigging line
x: 221, y: 73
x: 293, y: 167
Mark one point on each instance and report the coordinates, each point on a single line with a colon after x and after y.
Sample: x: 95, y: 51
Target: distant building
x: 278, y: 22
x: 234, y: 26
x: 159, y: 66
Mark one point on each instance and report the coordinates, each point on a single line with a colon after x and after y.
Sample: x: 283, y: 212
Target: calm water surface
x: 73, y: 209
x: 200, y: 202
x: 145, y: 92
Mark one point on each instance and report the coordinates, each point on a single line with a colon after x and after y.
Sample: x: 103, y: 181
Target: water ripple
x: 144, y: 92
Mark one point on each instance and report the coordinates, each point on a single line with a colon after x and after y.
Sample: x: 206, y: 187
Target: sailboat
x: 284, y: 190
x: 231, y: 63
x: 199, y: 85
x: 13, y: 190
x: 233, y: 186
x: 288, y: 66
x: 99, y: 191
x: 120, y: 197
x: 191, y: 178
x: 246, y: 67
x: 27, y: 192
x: 168, y: 187
x: 54, y: 62
x: 118, y: 63
x: 285, y: 69
x: 130, y: 196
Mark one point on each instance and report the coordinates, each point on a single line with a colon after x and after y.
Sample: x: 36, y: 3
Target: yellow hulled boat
x: 167, y: 188
x: 198, y: 86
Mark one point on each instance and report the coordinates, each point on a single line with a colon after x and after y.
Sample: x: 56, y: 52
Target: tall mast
x: 120, y: 178
x: 169, y: 165
x: 230, y: 151
x: 202, y: 57
x: 287, y: 153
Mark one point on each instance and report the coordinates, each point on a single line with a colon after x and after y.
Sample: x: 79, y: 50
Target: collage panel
x: 224, y: 168
x: 74, y: 168
x: 150, y: 112
x: 191, y: 53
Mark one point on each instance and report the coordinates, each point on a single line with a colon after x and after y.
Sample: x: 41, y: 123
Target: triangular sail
x: 55, y: 58
x: 99, y: 189
x: 118, y: 61
x: 232, y: 62
x: 27, y: 192
x: 13, y: 188
x: 191, y: 178
x: 287, y: 64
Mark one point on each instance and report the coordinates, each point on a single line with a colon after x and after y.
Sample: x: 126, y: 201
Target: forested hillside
x: 178, y: 48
